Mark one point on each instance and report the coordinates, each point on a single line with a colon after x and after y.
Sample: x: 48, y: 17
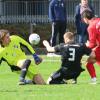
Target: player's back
x: 72, y: 55
x: 94, y: 29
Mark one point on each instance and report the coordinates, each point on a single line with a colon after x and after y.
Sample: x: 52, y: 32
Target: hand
x: 37, y: 62
x: 87, y: 43
x: 45, y: 43
x: 37, y: 59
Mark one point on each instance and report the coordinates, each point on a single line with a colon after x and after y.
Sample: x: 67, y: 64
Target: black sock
x: 23, y: 74
x: 24, y: 69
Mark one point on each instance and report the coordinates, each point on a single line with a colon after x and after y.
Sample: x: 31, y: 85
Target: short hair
x: 87, y: 14
x: 69, y: 35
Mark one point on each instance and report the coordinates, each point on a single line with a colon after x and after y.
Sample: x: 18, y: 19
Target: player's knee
x: 54, y: 78
x: 26, y: 64
x: 92, y: 60
x: 49, y: 80
x: 38, y: 79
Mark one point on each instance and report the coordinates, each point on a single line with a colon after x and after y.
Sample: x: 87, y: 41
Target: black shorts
x: 63, y: 73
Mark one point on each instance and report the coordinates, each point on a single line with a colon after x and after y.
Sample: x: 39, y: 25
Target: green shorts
x: 32, y: 70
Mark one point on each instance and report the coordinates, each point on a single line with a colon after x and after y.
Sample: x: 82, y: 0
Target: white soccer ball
x: 34, y: 39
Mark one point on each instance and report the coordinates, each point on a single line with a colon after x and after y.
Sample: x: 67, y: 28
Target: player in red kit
x: 94, y: 41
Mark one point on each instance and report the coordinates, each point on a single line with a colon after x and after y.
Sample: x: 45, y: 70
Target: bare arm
x: 48, y: 47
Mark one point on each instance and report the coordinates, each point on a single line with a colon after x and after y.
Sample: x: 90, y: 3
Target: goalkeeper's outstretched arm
x: 48, y: 47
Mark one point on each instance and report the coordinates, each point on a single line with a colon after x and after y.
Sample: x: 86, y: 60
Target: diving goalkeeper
x: 12, y: 52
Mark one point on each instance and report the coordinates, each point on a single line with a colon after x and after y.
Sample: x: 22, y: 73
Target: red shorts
x: 97, y: 53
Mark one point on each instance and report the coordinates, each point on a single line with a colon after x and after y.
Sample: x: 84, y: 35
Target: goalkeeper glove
x: 37, y: 59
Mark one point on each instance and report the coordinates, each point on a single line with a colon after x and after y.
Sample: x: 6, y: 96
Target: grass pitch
x: 9, y: 90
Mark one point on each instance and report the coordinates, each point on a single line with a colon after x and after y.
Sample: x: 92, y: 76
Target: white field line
x: 51, y: 60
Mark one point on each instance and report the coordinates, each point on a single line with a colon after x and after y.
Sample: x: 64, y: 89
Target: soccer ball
x: 34, y: 39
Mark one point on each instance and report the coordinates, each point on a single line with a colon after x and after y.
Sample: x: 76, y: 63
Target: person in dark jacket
x: 57, y: 17
x: 81, y: 27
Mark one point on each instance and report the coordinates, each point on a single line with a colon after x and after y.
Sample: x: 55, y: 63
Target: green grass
x: 9, y: 90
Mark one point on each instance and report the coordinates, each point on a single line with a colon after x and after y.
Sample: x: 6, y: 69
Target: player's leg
x: 97, y: 53
x: 24, y: 68
x: 70, y: 77
x: 38, y: 79
x: 75, y: 76
x: 61, y: 76
x: 91, y: 69
x: 55, y: 78
x: 34, y: 75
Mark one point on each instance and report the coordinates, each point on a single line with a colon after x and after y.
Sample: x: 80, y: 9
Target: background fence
x: 36, y: 11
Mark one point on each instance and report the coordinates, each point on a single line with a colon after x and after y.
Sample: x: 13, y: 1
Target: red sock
x: 91, y: 69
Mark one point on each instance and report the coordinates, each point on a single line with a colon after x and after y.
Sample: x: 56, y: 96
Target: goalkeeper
x: 12, y: 52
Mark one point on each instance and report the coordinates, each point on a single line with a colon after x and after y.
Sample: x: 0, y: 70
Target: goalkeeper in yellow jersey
x: 11, y: 51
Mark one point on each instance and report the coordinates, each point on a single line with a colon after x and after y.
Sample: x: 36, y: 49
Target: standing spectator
x: 57, y: 16
x: 81, y: 27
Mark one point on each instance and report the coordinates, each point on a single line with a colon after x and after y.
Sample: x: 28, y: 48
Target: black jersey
x: 71, y: 55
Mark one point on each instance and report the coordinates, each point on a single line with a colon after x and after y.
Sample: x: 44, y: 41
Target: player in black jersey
x: 71, y: 55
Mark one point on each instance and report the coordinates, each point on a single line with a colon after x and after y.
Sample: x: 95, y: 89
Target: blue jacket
x: 57, y: 10
x: 80, y: 26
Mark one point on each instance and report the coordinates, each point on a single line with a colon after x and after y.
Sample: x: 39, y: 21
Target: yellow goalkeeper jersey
x: 14, y: 52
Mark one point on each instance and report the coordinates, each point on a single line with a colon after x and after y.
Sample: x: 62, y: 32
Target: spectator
x: 57, y: 16
x: 81, y: 27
